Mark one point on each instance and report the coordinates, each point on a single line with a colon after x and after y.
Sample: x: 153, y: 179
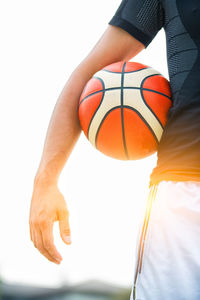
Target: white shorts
x: 168, y: 244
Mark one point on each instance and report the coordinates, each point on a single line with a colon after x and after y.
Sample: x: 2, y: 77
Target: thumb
x: 64, y: 227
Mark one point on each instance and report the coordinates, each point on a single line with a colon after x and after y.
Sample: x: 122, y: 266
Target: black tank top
x: 178, y: 156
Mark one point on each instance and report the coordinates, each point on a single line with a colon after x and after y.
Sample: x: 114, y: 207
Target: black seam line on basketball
x: 141, y: 92
x: 133, y: 109
x: 122, y: 112
x: 98, y: 105
x: 181, y: 52
x: 185, y: 32
x: 126, y: 72
x: 126, y: 87
x: 156, y: 92
x: 171, y: 20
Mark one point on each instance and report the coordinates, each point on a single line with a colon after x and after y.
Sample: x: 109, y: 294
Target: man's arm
x: 47, y: 203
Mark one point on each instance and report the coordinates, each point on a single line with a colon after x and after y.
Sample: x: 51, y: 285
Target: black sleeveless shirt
x: 178, y: 156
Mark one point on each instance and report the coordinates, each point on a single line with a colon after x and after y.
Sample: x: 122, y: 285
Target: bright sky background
x: 42, y: 41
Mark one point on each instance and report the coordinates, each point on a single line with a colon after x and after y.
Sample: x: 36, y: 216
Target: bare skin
x: 47, y: 203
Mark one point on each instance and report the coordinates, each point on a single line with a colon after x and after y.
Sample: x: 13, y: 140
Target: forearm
x: 64, y: 127
x: 63, y: 130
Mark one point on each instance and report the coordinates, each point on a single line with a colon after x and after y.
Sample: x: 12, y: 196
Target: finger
x: 38, y: 242
x: 48, y: 242
x: 64, y: 226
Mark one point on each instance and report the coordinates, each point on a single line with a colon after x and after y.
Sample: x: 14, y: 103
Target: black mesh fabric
x: 179, y: 148
x: 144, y: 18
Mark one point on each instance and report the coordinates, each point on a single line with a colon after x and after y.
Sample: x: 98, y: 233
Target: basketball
x: 123, y: 110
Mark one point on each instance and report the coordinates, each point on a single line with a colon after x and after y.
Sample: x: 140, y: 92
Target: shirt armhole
x: 131, y: 29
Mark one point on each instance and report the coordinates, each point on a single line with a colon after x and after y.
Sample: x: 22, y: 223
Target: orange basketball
x: 123, y: 110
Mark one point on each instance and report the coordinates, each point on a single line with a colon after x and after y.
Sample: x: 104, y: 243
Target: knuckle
x: 47, y: 246
x: 43, y: 222
x: 66, y: 231
x: 49, y: 258
x: 42, y: 250
x: 34, y: 222
x: 64, y: 212
x: 36, y: 245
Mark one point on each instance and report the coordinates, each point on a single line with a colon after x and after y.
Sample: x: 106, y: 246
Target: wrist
x: 43, y: 180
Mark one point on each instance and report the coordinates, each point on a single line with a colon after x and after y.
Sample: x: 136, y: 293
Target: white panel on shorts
x: 171, y: 258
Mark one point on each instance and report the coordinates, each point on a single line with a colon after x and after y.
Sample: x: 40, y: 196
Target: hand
x: 47, y: 206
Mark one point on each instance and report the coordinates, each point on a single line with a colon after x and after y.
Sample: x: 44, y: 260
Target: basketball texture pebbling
x: 123, y: 110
